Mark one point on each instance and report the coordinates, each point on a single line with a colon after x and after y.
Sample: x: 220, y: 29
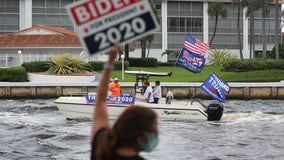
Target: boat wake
x: 253, y: 116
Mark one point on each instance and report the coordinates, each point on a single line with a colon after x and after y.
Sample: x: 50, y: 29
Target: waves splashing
x: 253, y: 116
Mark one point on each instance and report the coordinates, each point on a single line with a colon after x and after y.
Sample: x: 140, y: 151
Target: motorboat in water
x: 78, y: 107
x: 82, y: 107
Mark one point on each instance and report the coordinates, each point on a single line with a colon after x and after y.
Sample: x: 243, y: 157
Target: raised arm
x: 100, y: 115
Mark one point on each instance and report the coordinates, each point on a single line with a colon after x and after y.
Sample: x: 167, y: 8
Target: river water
x: 36, y: 130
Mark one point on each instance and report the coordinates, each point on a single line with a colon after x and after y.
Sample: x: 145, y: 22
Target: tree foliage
x: 238, y: 2
x: 149, y: 38
x: 215, y: 10
x: 219, y: 57
x: 67, y: 64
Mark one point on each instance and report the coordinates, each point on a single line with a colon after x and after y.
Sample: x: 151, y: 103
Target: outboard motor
x: 214, y: 111
x: 169, y: 97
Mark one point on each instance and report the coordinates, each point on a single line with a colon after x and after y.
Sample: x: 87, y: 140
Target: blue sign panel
x: 123, y: 99
x: 190, y: 61
x: 213, y: 88
x: 123, y: 32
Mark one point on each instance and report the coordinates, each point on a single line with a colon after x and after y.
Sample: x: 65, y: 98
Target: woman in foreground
x: 135, y: 129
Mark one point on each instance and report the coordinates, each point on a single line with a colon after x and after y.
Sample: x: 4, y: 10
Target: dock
x: 181, y: 90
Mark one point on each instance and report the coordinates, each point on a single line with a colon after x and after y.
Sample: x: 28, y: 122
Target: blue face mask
x: 151, y: 142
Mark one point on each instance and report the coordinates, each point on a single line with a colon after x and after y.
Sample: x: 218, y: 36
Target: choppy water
x: 36, y: 130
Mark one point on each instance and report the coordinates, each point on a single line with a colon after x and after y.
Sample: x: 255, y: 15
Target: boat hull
x: 78, y: 108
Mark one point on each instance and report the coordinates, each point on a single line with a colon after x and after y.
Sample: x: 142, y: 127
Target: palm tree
x: 149, y: 45
x: 239, y: 28
x: 276, y: 28
x: 215, y: 10
x: 250, y: 13
x: 264, y: 7
x: 126, y: 51
x: 170, y: 52
x: 282, y: 19
x: 252, y: 5
x: 256, y: 5
x: 263, y: 4
x: 149, y: 38
x: 143, y: 43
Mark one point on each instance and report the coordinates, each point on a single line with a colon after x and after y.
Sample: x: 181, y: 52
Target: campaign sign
x: 123, y: 99
x: 100, y: 23
x: 190, y: 61
x: 221, y: 83
x: 212, y: 87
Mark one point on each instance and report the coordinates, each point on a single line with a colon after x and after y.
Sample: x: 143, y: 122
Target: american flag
x: 190, y: 61
x: 195, y: 45
x: 193, y: 59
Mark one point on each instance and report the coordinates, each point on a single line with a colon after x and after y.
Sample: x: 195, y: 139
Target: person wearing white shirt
x: 157, y: 92
x: 148, y: 95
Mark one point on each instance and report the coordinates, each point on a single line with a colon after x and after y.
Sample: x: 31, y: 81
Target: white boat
x: 80, y: 107
x: 73, y: 107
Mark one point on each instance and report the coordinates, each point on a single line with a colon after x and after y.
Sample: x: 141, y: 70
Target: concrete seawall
x: 246, y: 91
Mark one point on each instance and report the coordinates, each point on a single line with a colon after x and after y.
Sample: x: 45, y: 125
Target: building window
x: 9, y: 16
x: 185, y: 17
x: 226, y: 33
x: 157, y: 41
x: 52, y: 12
x: 180, y: 24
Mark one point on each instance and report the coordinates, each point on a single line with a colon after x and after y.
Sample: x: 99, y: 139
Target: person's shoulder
x: 99, y: 133
x: 138, y: 157
x: 96, y: 141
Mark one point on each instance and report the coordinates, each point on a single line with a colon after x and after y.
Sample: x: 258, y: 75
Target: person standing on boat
x: 134, y: 131
x: 148, y: 95
x: 114, y: 88
x: 157, y: 92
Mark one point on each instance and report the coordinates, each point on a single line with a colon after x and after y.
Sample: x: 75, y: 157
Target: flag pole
x: 173, y: 67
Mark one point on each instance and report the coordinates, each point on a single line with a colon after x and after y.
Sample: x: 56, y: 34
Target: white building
x: 177, y: 17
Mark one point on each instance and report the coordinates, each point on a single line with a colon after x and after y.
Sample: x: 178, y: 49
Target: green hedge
x: 143, y: 62
x: 13, y: 74
x: 272, y: 54
x: 250, y: 65
x: 118, y: 65
x: 37, y: 66
x: 166, y: 63
x: 98, y: 65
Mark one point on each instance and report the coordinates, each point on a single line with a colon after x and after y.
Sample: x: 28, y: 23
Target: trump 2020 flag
x: 192, y: 54
x: 190, y: 61
x: 215, y: 87
x: 195, y: 45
